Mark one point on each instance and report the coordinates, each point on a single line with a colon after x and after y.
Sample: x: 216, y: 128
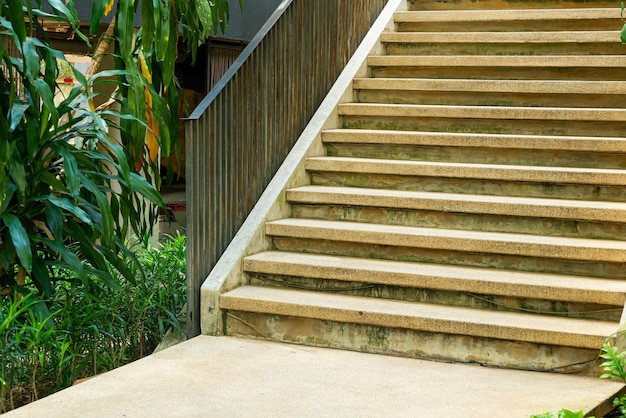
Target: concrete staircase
x: 472, y: 208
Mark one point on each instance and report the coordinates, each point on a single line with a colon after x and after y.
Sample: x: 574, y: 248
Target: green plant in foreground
x: 89, y: 333
x: 563, y: 413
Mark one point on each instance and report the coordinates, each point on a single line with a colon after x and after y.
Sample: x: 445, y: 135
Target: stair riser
x: 490, y: 126
x: 499, y: 73
x: 415, y: 344
x: 445, y: 297
x: 512, y: 25
x: 487, y: 155
x: 461, y: 98
x: 504, y: 4
x: 471, y: 186
x: 460, y: 258
x: 462, y: 221
x: 471, y: 48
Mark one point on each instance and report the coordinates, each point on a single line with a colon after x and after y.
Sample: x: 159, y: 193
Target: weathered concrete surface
x: 230, y: 377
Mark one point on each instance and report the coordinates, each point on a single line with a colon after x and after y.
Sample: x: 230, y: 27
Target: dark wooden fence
x: 242, y: 131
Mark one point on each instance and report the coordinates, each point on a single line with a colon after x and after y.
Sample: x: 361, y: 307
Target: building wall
x: 242, y: 25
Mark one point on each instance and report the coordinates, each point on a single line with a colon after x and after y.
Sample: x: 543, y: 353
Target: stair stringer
x: 251, y: 238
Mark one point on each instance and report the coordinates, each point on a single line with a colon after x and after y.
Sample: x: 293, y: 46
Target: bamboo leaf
x: 19, y: 238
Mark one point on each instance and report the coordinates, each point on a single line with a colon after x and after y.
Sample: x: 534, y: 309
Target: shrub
x: 89, y: 333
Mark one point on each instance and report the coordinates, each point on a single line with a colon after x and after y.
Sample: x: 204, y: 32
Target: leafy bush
x: 89, y: 333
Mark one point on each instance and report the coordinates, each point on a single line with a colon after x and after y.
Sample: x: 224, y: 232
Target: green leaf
x: 141, y: 185
x: 47, y: 97
x: 72, y: 174
x: 108, y: 224
x: 148, y: 15
x: 32, y: 63
x: 163, y: 29
x: 125, y: 28
x: 20, y: 240
x: 17, y: 171
x: 622, y: 35
x: 204, y: 13
x: 67, y: 205
x: 15, y: 13
x: 68, y: 256
x: 17, y: 113
x: 97, y: 12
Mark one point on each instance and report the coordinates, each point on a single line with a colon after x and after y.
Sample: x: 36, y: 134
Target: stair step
x: 506, y: 43
x: 482, y: 112
x: 603, y: 61
x: 562, y: 93
x: 532, y: 37
x: 463, y: 203
x: 582, y: 333
x: 567, y: 67
x: 487, y: 119
x: 509, y: 20
x: 557, y: 151
x: 506, y: 15
x: 484, y: 5
x: 443, y: 277
x: 538, y: 174
x: 493, y: 86
x: 563, y: 248
x: 451, y: 139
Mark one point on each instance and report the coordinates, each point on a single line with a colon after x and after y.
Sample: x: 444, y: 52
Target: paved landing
x: 231, y: 377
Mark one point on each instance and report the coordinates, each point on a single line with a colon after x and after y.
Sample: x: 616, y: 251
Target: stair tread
x: 584, y: 333
x: 438, y: 276
x: 493, y: 86
x: 597, y: 250
x: 520, y: 173
x: 572, y: 37
x: 456, y: 139
x: 582, y: 61
x: 506, y: 15
x: 466, y: 203
x: 482, y: 112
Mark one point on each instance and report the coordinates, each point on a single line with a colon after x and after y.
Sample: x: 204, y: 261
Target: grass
x: 90, y: 331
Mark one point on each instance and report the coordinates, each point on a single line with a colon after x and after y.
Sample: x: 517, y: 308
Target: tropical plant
x: 92, y: 332
x: 70, y: 193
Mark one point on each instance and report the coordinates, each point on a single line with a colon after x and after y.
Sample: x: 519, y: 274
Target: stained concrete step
x: 506, y: 43
x: 562, y: 248
x: 556, y: 151
x: 509, y: 20
x: 450, y: 139
x: 460, y: 203
x: 442, y: 277
x: 485, y: 119
x: 581, y: 333
x: 559, y: 93
x: 508, y: 67
x: 420, y: 5
x: 493, y: 172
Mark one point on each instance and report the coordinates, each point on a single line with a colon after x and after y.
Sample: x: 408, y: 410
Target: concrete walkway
x: 231, y: 377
